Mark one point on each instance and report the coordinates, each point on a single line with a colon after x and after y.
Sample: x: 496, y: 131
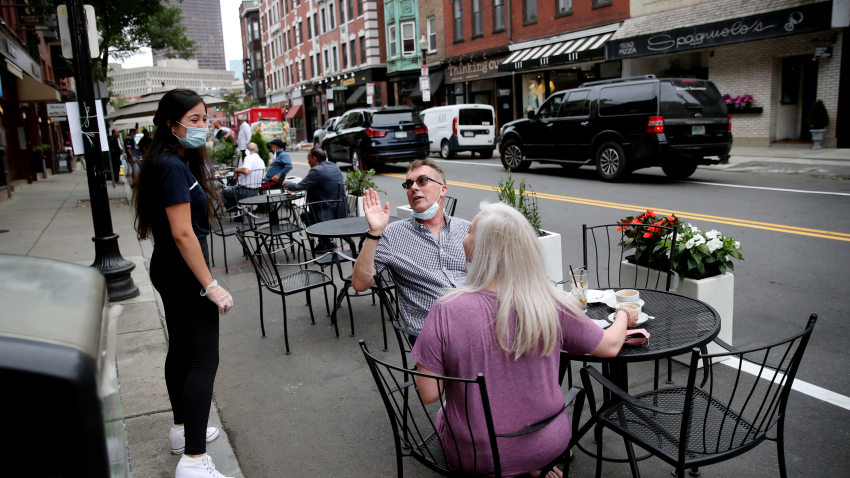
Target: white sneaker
x: 200, y: 467
x: 178, y: 439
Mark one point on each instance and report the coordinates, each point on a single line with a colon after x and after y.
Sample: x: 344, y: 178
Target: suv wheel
x: 611, y: 161
x: 445, y: 150
x: 679, y: 168
x: 512, y: 157
x: 357, y: 161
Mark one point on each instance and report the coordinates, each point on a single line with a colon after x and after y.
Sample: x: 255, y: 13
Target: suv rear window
x: 685, y: 97
x: 475, y: 117
x: 627, y: 100
x: 392, y: 118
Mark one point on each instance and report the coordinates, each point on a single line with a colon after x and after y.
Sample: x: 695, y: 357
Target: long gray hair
x: 506, y: 252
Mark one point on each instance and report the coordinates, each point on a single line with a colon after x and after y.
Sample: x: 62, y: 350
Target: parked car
x: 368, y: 137
x: 624, y: 124
x: 320, y: 133
x: 458, y: 128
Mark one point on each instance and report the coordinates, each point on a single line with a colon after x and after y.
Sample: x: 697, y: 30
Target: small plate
x: 595, y: 295
x: 641, y: 319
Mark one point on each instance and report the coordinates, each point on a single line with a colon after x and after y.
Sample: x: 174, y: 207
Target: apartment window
x: 563, y: 7
x: 458, y: 16
x: 289, y: 41
x: 327, y: 67
x: 432, y: 34
x: 602, y: 3
x: 312, y: 66
x: 353, y: 53
x: 344, y: 55
x: 324, y: 21
x: 304, y: 67
x: 498, y: 15
x: 300, y: 29
x: 393, y: 42
x: 316, y: 24
x: 336, y: 59
x: 529, y: 11
x: 300, y: 72
x: 331, y: 16
x: 359, y: 7
x: 408, y: 39
x: 351, y: 12
x: 309, y: 29
x: 477, y: 19
x: 362, y: 49
x: 342, y: 11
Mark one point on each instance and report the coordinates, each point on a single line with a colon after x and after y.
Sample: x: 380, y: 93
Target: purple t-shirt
x: 459, y: 340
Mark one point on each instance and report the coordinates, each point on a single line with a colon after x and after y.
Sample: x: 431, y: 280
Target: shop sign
x: 360, y: 78
x: 790, y: 21
x: 474, y: 70
x: 424, y: 83
x: 339, y: 88
x: 32, y: 20
x: 423, y: 71
x: 55, y: 110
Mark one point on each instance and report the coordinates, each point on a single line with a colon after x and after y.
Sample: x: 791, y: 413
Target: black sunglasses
x: 421, y: 181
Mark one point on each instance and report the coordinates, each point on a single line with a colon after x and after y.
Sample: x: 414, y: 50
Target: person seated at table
x: 249, y: 179
x: 322, y: 183
x: 510, y: 322
x: 425, y: 253
x: 281, y: 165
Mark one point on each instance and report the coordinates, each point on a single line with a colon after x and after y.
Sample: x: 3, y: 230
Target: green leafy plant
x: 223, y: 154
x: 640, y: 238
x: 523, y: 200
x: 818, y: 117
x: 357, y: 182
x: 261, y: 146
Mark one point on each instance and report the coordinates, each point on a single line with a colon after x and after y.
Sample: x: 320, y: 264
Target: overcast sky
x: 230, y: 29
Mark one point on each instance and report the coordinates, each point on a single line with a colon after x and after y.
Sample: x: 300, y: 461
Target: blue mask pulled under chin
x: 428, y: 213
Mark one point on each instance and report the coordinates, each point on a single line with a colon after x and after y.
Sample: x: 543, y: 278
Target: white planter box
x: 551, y: 245
x: 404, y: 212
x: 360, y: 212
x: 717, y: 291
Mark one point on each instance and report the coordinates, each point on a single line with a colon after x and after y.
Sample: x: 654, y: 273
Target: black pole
x: 108, y: 260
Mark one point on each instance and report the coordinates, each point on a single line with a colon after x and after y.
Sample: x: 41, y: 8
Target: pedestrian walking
x: 115, y: 155
x: 133, y: 155
x: 244, y: 136
x: 174, y: 199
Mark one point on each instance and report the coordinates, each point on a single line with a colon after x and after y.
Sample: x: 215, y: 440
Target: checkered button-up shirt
x: 424, y: 266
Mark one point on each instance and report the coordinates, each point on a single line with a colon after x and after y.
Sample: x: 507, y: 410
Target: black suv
x: 624, y: 124
x: 366, y: 137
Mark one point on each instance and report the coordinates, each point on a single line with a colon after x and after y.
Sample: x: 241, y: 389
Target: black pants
x: 192, y: 359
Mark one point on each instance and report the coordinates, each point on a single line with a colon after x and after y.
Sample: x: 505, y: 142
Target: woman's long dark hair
x: 172, y: 107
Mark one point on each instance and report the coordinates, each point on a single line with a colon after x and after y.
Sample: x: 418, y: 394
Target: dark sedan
x: 366, y: 137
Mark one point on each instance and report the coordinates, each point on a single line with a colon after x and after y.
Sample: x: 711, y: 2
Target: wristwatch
x: 377, y: 238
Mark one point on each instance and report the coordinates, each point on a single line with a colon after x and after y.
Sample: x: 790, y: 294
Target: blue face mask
x: 195, y: 137
x: 428, y: 213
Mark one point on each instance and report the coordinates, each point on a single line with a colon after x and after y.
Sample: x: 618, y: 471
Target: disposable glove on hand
x: 218, y: 296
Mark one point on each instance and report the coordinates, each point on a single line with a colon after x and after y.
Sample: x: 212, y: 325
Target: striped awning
x: 559, y: 53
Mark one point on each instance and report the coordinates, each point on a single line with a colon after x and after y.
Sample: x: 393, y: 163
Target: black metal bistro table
x: 275, y: 203
x: 345, y: 228
x: 680, y: 324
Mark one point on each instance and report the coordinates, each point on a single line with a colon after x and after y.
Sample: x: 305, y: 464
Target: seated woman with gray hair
x: 510, y: 322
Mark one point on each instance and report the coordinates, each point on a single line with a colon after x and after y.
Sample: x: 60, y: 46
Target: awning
x: 569, y: 50
x: 128, y: 123
x: 293, y: 112
x: 355, y: 95
x: 434, y: 81
x: 146, y: 107
x: 31, y: 90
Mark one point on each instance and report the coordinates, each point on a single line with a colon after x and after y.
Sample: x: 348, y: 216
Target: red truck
x: 255, y: 114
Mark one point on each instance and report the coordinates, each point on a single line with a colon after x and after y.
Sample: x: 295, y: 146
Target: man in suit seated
x: 322, y: 183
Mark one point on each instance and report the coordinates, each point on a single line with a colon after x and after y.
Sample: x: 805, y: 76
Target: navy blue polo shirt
x: 177, y: 184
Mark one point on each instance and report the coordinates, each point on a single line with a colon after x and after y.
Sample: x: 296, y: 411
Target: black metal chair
x: 263, y: 258
x: 413, y: 422
x: 694, y: 426
x: 287, y: 228
x: 608, y: 254
x: 218, y: 229
x: 406, y: 337
x: 250, y: 186
x: 449, y: 204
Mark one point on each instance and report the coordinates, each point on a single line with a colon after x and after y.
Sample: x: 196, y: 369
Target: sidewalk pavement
x: 47, y: 219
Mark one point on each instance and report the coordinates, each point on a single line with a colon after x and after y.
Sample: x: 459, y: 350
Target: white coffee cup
x: 631, y: 305
x: 628, y: 295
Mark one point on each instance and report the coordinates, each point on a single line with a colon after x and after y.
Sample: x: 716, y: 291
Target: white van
x: 456, y: 128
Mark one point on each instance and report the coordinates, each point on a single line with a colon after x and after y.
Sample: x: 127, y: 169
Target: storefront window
x: 534, y: 91
x: 565, y: 79
x: 481, y: 92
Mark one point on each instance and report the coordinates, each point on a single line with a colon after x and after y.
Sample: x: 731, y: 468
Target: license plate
x: 401, y: 134
x: 468, y: 134
x: 695, y: 130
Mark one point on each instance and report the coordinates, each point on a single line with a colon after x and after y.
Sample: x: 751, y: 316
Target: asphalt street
x: 317, y: 410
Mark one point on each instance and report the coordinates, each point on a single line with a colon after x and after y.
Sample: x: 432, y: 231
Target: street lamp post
x: 108, y: 260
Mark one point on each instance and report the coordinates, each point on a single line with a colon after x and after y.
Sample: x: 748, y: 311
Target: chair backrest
x: 404, y: 336
x: 449, y: 204
x: 413, y: 422
x: 215, y: 224
x: 262, y: 259
x: 254, y: 179
x: 746, y: 401
x: 605, y: 247
x: 320, y: 211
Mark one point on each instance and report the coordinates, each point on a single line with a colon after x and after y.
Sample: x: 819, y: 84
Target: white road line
x: 798, y: 385
x: 467, y: 162
x: 768, y: 189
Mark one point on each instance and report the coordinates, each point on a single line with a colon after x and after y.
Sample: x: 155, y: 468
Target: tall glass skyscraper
x: 202, y: 19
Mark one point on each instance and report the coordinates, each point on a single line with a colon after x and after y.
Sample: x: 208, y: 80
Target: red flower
x: 650, y: 213
x: 636, y: 221
x: 658, y: 223
x: 671, y: 218
x: 647, y: 235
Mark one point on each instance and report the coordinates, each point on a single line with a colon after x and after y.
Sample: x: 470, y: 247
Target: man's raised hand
x: 376, y: 216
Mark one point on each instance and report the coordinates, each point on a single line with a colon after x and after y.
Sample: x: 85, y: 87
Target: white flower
x: 690, y: 243
x: 698, y: 239
x: 712, y: 234
x: 737, y: 244
x: 714, y: 244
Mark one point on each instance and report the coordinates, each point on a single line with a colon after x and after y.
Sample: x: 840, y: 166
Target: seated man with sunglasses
x: 425, y: 253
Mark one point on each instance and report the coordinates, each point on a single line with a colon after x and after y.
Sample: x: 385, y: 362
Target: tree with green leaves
x: 127, y: 26
x: 238, y: 102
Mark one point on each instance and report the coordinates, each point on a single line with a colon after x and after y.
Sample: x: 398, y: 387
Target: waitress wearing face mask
x: 174, y: 200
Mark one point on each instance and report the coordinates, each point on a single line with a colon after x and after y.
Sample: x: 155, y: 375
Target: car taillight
x: 375, y: 133
x: 655, y: 124
x: 454, y: 125
x: 422, y: 130
x: 730, y: 124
